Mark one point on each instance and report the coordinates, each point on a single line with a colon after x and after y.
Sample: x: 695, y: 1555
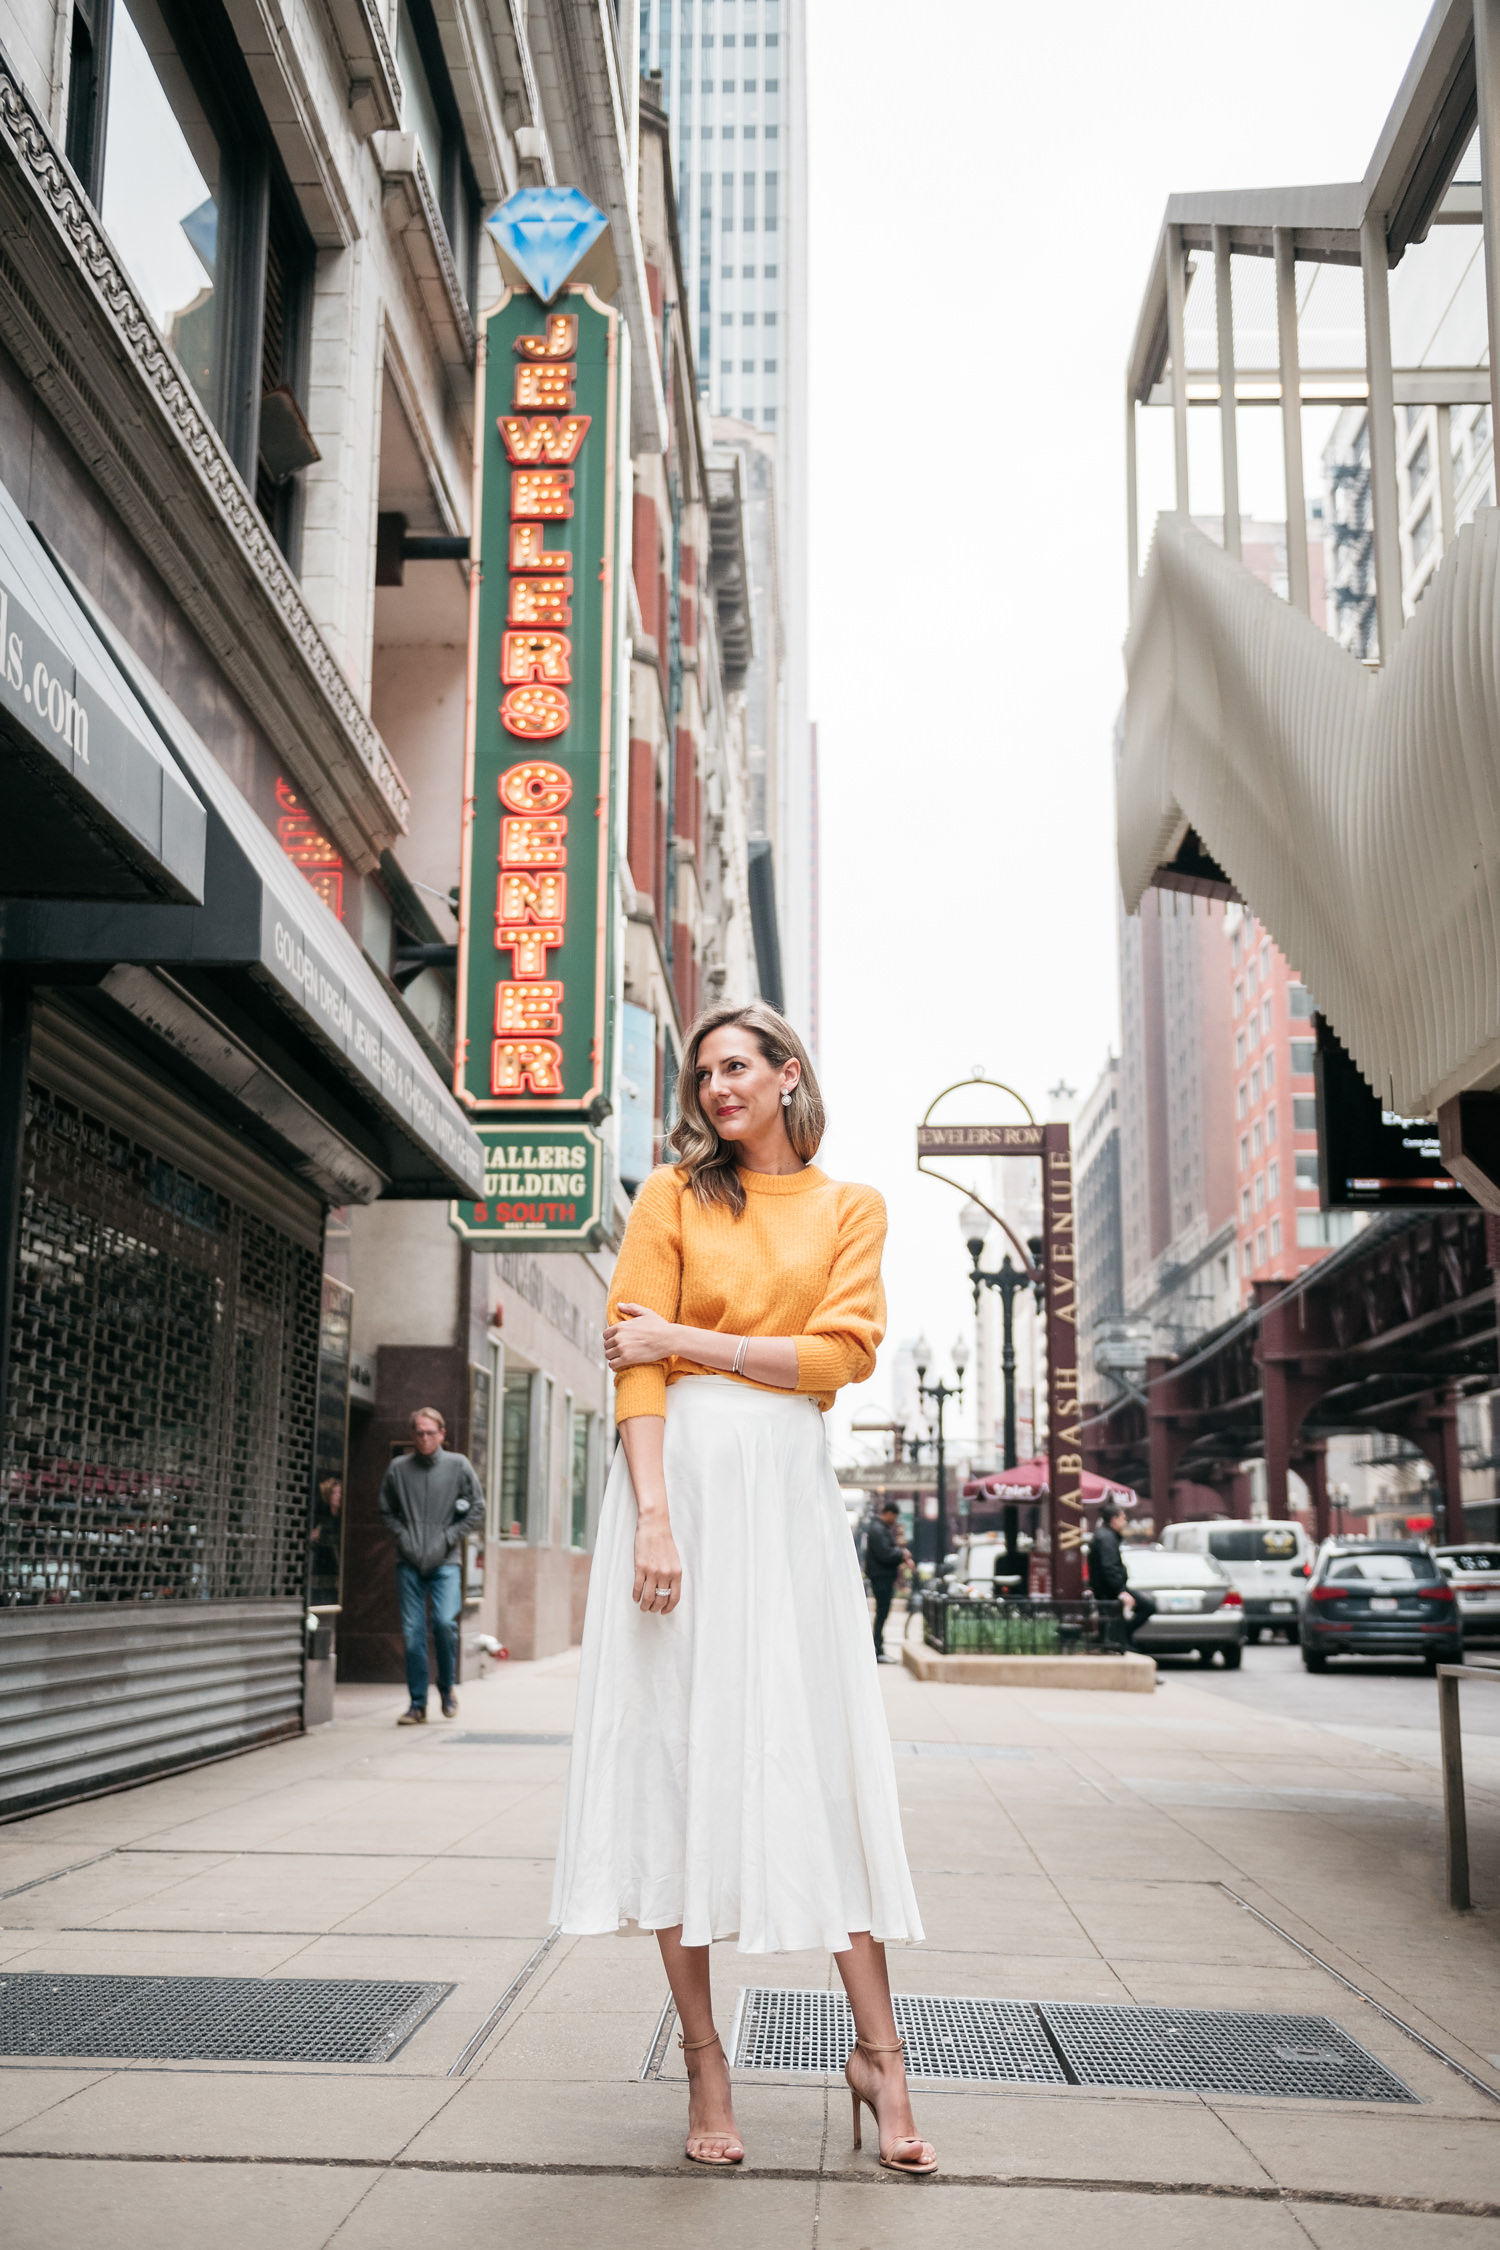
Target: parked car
x: 1196, y: 1607
x: 1268, y: 1562
x: 1380, y: 1597
x: 976, y: 1568
x: 1475, y: 1573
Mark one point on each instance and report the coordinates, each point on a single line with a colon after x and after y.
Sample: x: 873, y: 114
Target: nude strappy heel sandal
x: 892, y: 2163
x: 691, y: 2047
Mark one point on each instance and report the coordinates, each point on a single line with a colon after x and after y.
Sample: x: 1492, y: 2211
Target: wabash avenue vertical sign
x: 1064, y: 1420
x: 534, y: 915
x: 1053, y: 1144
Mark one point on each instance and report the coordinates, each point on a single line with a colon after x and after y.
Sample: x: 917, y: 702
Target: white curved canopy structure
x: 1356, y: 813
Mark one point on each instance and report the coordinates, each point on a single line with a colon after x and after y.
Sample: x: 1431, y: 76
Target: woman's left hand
x: 640, y: 1338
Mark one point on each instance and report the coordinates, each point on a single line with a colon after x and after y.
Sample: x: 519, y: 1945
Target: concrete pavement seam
x: 1450, y: 2062
x: 58, y: 1873
x: 1209, y: 2190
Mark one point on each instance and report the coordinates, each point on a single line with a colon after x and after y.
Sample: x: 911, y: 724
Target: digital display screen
x: 1368, y: 1157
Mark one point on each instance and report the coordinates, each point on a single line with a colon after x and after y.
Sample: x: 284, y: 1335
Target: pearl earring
x: 786, y: 1099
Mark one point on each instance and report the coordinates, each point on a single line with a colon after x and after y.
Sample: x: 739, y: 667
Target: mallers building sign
x: 535, y: 920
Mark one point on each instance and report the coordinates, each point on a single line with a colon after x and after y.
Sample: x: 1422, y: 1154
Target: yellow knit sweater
x: 802, y: 1260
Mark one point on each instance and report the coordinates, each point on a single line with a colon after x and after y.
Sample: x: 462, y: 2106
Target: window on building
x: 1418, y: 468
x: 1304, y: 1113
x: 582, y: 1425
x: 1260, y: 1191
x: 1255, y: 1086
x: 1245, y: 1205
x: 1247, y: 1255
x: 430, y: 110
x: 768, y: 367
x: 1251, y: 980
x: 1239, y: 1050
x: 747, y: 320
x: 1252, y: 1032
x: 1265, y: 1013
x: 771, y: 273
x: 1324, y: 1230
x: 1270, y: 1068
x: 768, y: 416
x: 1303, y: 1052
x: 1421, y: 536
x: 515, y: 1453
x: 1243, y: 1098
x: 1276, y: 1238
x: 1255, y: 1143
x: 1234, y: 950
x: 1271, y: 1124
x: 1273, y: 1181
x: 1260, y: 1247
x: 1239, y: 996
x: 1301, y: 1005
x: 169, y: 140
x: 1244, y: 1152
x: 1306, y: 1160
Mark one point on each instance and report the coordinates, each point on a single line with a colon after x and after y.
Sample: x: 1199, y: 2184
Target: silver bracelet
x: 739, y: 1357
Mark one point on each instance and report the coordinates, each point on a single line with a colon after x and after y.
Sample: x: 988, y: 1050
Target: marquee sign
x: 543, y: 1185
x: 534, y: 915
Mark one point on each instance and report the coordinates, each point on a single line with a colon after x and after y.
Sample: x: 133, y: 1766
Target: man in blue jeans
x: 429, y: 1498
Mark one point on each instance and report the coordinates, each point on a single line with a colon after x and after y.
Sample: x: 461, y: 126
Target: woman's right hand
x: 658, y: 1566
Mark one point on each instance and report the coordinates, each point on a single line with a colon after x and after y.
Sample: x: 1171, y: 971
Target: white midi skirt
x: 731, y: 1765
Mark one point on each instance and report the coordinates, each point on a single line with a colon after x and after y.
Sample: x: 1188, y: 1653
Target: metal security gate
x: 159, y: 1437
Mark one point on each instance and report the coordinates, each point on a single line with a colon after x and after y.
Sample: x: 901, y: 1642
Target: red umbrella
x: 1028, y: 1481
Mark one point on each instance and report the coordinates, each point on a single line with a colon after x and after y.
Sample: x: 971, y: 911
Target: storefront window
x: 580, y: 1528
x: 515, y: 1456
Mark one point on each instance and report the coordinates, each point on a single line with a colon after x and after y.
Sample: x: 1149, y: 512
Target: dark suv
x: 1380, y: 1597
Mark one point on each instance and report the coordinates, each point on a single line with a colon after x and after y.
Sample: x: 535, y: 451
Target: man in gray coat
x: 430, y: 1497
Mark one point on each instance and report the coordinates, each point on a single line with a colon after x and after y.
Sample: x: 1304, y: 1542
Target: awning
x: 264, y: 934
x: 93, y: 807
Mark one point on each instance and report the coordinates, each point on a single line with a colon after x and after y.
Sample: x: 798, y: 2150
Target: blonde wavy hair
x: 712, y: 1164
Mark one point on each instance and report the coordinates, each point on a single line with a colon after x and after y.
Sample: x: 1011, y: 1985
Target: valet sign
x: 534, y: 914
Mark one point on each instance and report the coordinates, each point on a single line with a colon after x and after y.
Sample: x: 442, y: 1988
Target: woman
x: 731, y: 1772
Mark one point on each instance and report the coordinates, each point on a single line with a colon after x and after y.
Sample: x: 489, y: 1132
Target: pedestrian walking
x: 731, y: 1773
x: 885, y: 1552
x: 428, y: 1499
x: 1108, y: 1579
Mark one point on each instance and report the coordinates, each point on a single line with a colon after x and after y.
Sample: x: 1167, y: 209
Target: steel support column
x: 1385, y: 502
x: 1487, y: 76
x: 1434, y: 1432
x: 1166, y: 1440
x: 1229, y: 449
x: 1177, y: 348
x: 1311, y: 1464
x: 1290, y: 357
x: 1287, y: 1395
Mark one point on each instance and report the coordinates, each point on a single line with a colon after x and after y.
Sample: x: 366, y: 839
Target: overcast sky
x: 984, y: 208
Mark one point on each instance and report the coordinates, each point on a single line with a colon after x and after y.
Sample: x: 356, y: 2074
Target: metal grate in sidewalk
x: 1208, y: 2050
x: 965, y: 2039
x: 212, y: 2019
x: 1221, y: 2051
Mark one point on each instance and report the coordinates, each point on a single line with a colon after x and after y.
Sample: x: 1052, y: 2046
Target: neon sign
x: 535, y: 905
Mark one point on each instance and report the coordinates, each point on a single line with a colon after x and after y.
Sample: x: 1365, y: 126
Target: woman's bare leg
x: 880, y: 2077
x: 711, y: 2126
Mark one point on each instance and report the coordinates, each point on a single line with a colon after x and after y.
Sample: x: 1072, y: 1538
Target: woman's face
x: 740, y: 1091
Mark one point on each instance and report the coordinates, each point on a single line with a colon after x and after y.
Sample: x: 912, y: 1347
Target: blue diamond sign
x: 546, y: 232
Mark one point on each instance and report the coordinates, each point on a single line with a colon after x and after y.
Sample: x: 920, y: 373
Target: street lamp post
x: 939, y: 1394
x: 1010, y: 1280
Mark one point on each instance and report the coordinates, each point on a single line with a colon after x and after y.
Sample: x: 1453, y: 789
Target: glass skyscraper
x: 732, y: 78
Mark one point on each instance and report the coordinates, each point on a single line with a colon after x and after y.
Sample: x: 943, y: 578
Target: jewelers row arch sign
x: 1053, y: 1144
x: 534, y: 912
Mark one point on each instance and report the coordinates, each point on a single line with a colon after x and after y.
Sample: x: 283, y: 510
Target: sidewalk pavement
x: 1102, y: 1855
